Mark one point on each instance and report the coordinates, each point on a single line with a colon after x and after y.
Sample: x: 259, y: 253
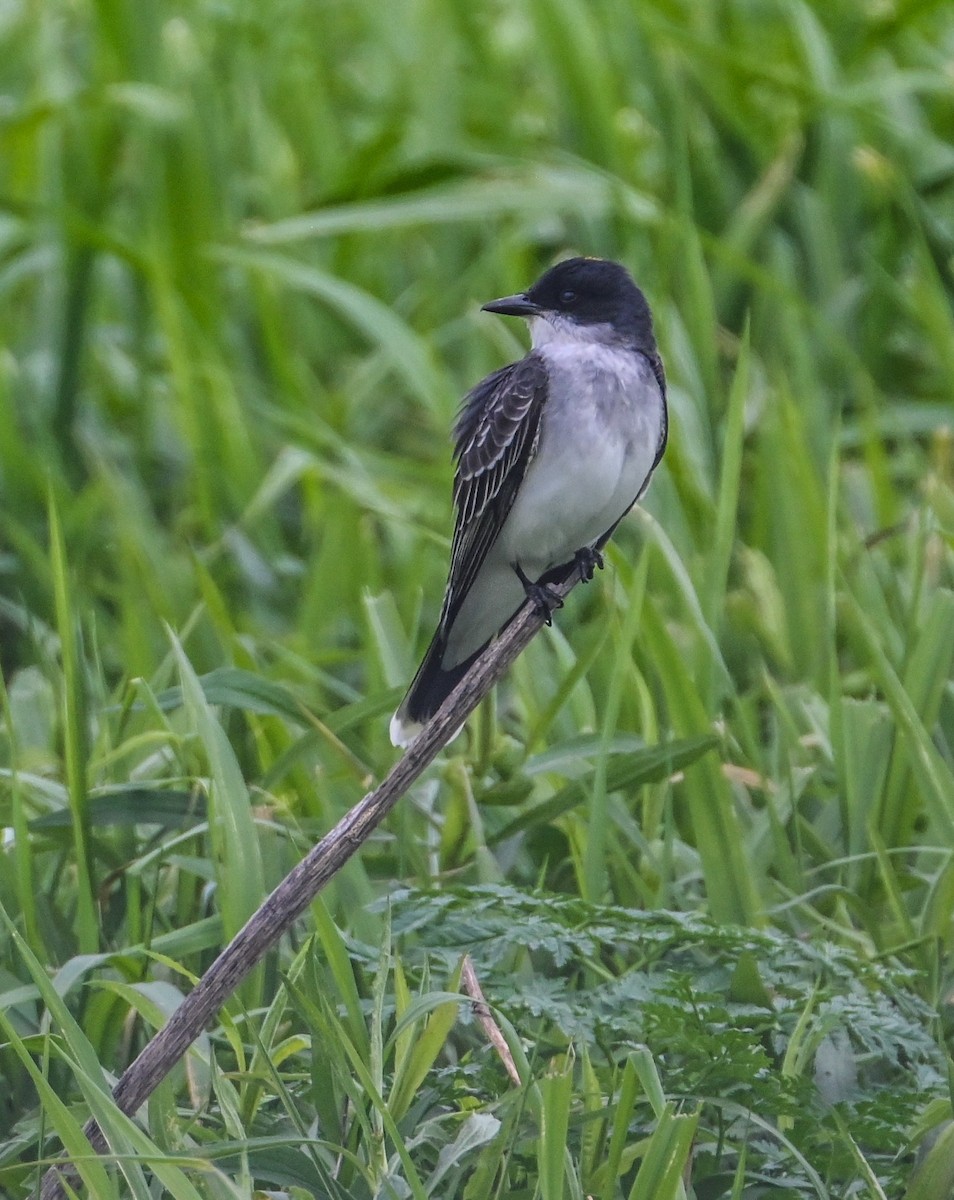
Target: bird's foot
x: 544, y: 598
x: 587, y: 560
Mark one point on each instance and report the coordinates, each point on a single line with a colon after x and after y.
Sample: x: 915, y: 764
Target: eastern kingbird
x: 551, y: 453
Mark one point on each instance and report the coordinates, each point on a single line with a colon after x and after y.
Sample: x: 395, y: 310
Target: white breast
x: 599, y: 437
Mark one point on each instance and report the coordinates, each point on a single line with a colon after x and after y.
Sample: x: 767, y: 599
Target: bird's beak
x: 513, y: 306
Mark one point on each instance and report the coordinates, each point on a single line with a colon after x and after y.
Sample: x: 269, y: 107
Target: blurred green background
x: 242, y: 254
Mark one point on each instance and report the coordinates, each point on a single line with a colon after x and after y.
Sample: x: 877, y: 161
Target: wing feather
x: 495, y: 439
x: 660, y: 372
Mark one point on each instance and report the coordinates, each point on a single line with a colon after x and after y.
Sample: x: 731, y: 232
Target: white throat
x: 555, y: 328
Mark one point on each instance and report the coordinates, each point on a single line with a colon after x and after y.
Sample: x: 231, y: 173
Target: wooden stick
x: 471, y: 985
x: 296, y: 891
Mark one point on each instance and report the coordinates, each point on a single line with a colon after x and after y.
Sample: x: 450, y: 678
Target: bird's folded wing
x: 495, y: 439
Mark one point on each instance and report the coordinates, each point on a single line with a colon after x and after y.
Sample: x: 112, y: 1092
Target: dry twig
x: 471, y: 985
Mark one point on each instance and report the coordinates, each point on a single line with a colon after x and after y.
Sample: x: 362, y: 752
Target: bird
x: 551, y: 453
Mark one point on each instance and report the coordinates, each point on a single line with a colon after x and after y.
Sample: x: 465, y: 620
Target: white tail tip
x: 403, y: 732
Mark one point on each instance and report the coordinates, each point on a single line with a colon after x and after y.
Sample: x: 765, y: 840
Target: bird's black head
x: 592, y: 293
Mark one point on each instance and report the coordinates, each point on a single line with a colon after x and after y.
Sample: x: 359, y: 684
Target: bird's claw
x: 544, y: 598
x: 587, y: 560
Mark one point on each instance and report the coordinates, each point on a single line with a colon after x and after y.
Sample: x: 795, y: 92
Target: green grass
x: 242, y: 253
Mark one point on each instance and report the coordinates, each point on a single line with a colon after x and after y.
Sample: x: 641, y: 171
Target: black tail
x: 429, y: 689
x: 432, y: 684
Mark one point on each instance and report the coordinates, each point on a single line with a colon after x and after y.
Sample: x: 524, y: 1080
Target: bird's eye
x: 568, y: 297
